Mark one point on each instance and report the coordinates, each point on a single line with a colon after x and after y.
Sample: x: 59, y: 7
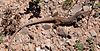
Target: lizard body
x: 57, y: 20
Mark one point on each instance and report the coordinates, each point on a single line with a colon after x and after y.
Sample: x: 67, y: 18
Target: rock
x: 46, y: 27
x: 31, y: 47
x: 76, y: 8
x: 69, y: 37
x: 61, y: 1
x: 54, y: 13
x: 46, y: 1
x: 48, y: 43
x: 86, y: 8
x: 97, y: 14
x: 81, y: 1
x: 93, y: 33
x: 0, y: 20
x: 24, y: 31
x: 1, y: 29
x: 39, y: 49
x: 98, y: 45
x: 54, y: 48
x: 61, y: 33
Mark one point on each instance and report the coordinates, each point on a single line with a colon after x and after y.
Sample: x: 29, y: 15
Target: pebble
x: 61, y: 32
x: 76, y: 8
x: 46, y: 27
x: 93, y: 33
x: 48, y: 42
x: 0, y: 20
x: 24, y: 31
x: 46, y: 1
x: 1, y: 29
x: 31, y: 47
x: 86, y: 8
x: 39, y: 49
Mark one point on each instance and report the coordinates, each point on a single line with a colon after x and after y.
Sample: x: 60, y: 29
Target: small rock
x: 76, y: 8
x: 46, y: 27
x: 0, y: 20
x: 98, y: 45
x: 48, y: 43
x: 31, y: 47
x: 55, y: 13
x: 61, y: 1
x: 86, y: 8
x: 46, y: 1
x: 61, y: 32
x: 24, y: 31
x: 69, y: 37
x: 1, y: 29
x: 93, y: 33
x: 38, y: 48
x: 96, y: 15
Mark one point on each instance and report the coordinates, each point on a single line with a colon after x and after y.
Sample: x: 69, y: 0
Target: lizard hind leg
x: 56, y: 24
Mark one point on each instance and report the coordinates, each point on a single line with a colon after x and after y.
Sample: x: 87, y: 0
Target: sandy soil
x: 85, y: 36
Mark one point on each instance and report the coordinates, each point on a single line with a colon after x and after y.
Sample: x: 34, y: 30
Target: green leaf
x: 98, y: 4
x: 1, y: 38
x: 79, y: 46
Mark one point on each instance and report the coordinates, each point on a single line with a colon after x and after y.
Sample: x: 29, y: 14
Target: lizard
x: 57, y: 20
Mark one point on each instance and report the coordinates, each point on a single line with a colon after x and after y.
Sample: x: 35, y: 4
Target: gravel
x: 42, y: 36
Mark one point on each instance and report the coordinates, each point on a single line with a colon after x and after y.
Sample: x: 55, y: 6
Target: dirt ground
x: 83, y: 36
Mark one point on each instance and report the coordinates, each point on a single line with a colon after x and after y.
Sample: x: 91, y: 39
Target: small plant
x: 79, y: 46
x: 92, y: 48
x: 1, y: 38
x: 67, y: 4
x: 33, y: 8
x: 98, y: 4
x: 90, y: 42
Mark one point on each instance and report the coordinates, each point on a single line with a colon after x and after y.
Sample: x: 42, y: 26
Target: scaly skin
x: 57, y: 20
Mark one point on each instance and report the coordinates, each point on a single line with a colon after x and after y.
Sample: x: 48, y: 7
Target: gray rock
x: 24, y: 31
x: 46, y: 1
x: 60, y: 32
x: 0, y: 20
x: 1, y: 29
x: 86, y: 8
x: 76, y: 8
x: 39, y: 49
x: 93, y: 33
x: 46, y: 27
